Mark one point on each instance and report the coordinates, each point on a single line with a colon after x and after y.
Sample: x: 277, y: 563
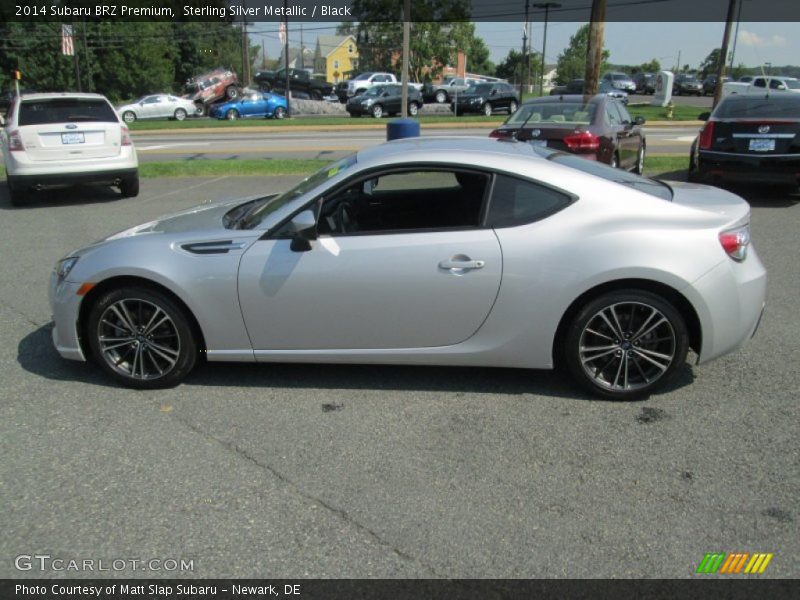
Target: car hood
x: 732, y: 209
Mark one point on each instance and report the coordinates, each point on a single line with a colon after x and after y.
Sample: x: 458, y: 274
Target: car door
x: 630, y: 137
x: 148, y: 109
x: 418, y: 271
x: 617, y: 131
x: 394, y: 100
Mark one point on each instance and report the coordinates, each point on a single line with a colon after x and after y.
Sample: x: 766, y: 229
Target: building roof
x: 329, y: 43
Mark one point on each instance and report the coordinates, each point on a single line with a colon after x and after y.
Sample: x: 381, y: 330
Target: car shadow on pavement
x: 36, y: 354
x: 61, y: 196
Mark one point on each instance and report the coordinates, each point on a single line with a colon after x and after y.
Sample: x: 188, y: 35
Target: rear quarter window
x: 65, y: 110
x: 517, y: 201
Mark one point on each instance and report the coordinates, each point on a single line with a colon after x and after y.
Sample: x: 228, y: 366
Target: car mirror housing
x: 304, y: 229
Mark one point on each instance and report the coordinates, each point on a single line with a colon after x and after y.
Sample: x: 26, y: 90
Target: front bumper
x: 744, y: 168
x: 357, y: 108
x: 65, y: 304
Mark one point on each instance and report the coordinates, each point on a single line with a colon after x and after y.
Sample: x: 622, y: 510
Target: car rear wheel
x: 280, y: 113
x: 441, y: 96
x: 141, y: 337
x: 180, y: 114
x: 129, y: 116
x: 512, y: 108
x: 129, y: 187
x: 487, y: 109
x: 377, y: 111
x: 614, y: 161
x: 231, y: 115
x: 413, y: 109
x: 231, y: 92
x: 626, y: 344
x: 17, y: 195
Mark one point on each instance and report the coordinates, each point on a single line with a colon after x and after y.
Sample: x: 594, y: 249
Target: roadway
x: 216, y: 144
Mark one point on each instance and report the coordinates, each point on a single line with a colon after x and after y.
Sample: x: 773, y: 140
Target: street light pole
x: 525, y: 52
x: 546, y: 6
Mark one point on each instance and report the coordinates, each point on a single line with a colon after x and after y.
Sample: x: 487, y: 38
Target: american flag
x: 282, y: 32
x: 67, y: 47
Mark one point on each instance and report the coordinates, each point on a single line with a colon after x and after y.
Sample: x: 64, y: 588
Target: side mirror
x: 781, y: 86
x: 385, y: 94
x: 640, y: 120
x: 493, y: 92
x: 304, y: 228
x: 704, y: 116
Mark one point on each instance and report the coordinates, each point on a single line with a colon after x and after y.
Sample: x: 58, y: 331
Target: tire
x: 180, y: 114
x: 632, y: 356
x: 130, y: 186
x: 129, y: 353
x: 614, y: 164
x: 441, y: 97
x: 413, y: 109
x: 512, y: 108
x: 129, y: 116
x: 231, y: 92
x: 16, y: 195
x: 639, y: 167
x: 279, y: 113
x: 377, y: 111
x: 316, y: 95
x: 231, y: 115
x: 487, y: 109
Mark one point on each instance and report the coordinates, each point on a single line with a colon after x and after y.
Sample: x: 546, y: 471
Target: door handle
x: 453, y: 265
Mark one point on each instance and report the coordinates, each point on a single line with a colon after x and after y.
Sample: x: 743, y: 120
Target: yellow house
x: 336, y: 57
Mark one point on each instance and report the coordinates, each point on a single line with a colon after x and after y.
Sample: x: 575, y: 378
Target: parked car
x: 687, y: 83
x: 762, y: 86
x: 621, y: 81
x: 599, y: 129
x: 66, y: 138
x: 159, y: 106
x: 576, y: 86
x: 512, y: 256
x: 749, y: 138
x: 487, y: 98
x: 447, y: 90
x: 710, y: 84
x: 252, y: 106
x: 384, y: 100
x: 645, y: 83
x: 210, y: 87
x: 301, y: 82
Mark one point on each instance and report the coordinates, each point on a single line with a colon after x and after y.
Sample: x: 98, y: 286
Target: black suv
x: 645, y: 83
x: 487, y: 98
x: 384, y: 100
x: 687, y: 84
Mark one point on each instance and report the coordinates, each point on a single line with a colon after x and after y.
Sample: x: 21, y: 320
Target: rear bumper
x: 109, y: 176
x: 29, y: 172
x: 749, y: 168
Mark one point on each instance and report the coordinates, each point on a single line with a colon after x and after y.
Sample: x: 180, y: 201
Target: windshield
x: 362, y: 77
x: 689, y: 78
x: 776, y: 106
x: 560, y: 113
x: 652, y: 187
x: 792, y: 84
x: 619, y: 77
x: 260, y: 210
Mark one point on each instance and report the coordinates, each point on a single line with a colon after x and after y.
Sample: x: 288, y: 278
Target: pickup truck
x: 760, y: 85
x: 361, y: 83
x: 447, y: 90
x: 300, y: 82
x: 207, y: 88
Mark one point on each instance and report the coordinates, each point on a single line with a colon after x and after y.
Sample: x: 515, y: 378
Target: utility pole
x: 302, y: 58
x: 525, y: 53
x: 245, y: 50
x: 736, y: 34
x: 594, y: 50
x: 406, y: 57
x: 546, y: 6
x: 75, y: 56
x: 723, y: 53
x: 286, y: 58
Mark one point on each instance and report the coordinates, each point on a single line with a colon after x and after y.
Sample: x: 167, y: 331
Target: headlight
x: 475, y: 100
x: 64, y: 266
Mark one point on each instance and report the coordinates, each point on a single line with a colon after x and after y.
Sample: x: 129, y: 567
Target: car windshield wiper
x: 243, y: 221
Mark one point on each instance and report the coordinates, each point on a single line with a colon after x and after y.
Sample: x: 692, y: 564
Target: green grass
x: 659, y: 113
x: 654, y: 165
x: 304, y: 121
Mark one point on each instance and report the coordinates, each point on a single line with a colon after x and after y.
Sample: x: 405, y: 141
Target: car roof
x: 55, y: 95
x: 469, y: 149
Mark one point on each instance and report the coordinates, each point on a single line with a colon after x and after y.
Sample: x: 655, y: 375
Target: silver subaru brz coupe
x: 427, y: 251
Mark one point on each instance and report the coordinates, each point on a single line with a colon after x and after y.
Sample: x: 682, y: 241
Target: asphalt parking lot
x: 363, y: 471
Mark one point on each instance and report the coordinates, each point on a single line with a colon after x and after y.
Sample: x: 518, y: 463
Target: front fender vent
x: 216, y: 247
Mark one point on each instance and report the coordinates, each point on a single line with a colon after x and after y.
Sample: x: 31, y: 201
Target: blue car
x: 252, y: 106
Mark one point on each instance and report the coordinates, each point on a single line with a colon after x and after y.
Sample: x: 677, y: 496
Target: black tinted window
x: 65, y: 110
x: 780, y: 106
x: 517, y: 202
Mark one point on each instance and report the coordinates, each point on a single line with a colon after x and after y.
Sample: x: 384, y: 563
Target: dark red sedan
x: 597, y: 128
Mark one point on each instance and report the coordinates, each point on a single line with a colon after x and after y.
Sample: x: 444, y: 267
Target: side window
x: 408, y: 200
x: 612, y: 114
x: 517, y: 202
x: 776, y: 84
x: 760, y: 82
x: 623, y: 112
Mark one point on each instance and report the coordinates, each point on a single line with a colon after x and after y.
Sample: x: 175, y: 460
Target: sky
x: 628, y: 43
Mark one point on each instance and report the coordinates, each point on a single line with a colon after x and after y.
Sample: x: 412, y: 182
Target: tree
x: 710, y: 64
x: 571, y: 62
x: 649, y: 67
x: 512, y: 66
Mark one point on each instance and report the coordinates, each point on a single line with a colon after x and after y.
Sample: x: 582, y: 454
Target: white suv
x: 66, y: 138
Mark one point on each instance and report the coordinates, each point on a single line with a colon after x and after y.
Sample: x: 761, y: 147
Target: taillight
x: 15, y: 142
x: 707, y: 135
x: 735, y: 242
x: 583, y: 141
x: 126, y: 136
x: 501, y: 133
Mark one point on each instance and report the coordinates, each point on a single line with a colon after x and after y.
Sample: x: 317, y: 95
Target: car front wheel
x: 231, y: 115
x: 413, y: 109
x: 141, y: 337
x: 180, y: 114
x: 377, y: 111
x: 625, y: 344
